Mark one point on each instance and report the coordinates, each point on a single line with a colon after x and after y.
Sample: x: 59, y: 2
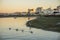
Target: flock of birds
x: 21, y: 30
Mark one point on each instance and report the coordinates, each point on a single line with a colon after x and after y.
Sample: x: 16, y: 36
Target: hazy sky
x: 23, y: 5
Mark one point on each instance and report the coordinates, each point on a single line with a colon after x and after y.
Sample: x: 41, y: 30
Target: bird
x: 22, y: 30
x: 9, y: 28
x: 16, y: 29
x: 31, y: 31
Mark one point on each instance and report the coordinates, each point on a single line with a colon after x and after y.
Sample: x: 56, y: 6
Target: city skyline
x: 22, y: 5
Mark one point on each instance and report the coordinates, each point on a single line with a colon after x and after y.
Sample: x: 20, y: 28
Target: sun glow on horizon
x: 23, y: 5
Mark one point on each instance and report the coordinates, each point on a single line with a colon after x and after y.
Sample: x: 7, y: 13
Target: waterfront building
x: 23, y: 13
x: 48, y: 11
x: 38, y: 10
x: 58, y: 8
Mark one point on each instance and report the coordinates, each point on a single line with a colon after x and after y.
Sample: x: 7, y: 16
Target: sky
x: 22, y: 5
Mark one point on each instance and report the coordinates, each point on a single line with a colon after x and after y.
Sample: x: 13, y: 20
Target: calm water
x: 19, y: 23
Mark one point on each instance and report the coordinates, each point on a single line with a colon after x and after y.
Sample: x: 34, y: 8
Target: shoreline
x: 45, y: 23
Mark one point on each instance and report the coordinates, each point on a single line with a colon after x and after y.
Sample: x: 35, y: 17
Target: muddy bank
x: 45, y: 23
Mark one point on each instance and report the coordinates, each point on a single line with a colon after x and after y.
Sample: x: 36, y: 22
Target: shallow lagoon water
x: 20, y: 23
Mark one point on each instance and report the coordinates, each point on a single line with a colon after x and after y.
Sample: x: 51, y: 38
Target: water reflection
x: 19, y: 31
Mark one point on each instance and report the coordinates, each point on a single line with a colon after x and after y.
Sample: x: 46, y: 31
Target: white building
x: 48, y: 11
x: 58, y: 8
x: 23, y: 13
x: 39, y: 10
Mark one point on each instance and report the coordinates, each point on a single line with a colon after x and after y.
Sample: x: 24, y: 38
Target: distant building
x: 17, y: 13
x: 38, y: 10
x: 23, y: 13
x: 48, y: 11
x: 58, y: 8
x: 5, y: 14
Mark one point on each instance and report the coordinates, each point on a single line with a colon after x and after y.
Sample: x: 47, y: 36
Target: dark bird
x: 9, y: 28
x: 22, y: 30
x: 16, y: 29
x: 31, y: 31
